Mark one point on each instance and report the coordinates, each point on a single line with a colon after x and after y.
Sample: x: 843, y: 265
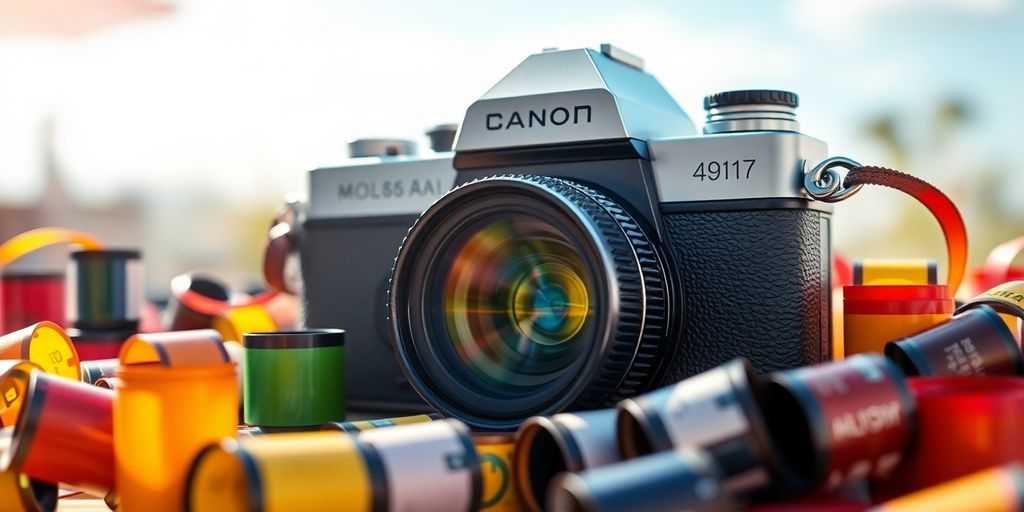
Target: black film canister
x: 684, y: 479
x: 104, y: 289
x: 178, y: 316
x: 975, y: 342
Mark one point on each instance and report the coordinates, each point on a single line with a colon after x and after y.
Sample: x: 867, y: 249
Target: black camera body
x: 580, y: 246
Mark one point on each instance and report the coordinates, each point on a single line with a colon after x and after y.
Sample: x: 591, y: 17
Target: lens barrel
x: 516, y: 296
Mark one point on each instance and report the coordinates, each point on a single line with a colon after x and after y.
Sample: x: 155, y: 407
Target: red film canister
x: 975, y: 342
x: 99, y: 344
x: 842, y: 422
x: 965, y: 424
x: 64, y: 433
x: 28, y: 298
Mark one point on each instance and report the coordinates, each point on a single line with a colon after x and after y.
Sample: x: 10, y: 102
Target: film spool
x: 294, y: 379
x: 234, y: 323
x: 840, y: 422
x: 18, y: 492
x: 14, y: 376
x: 30, y: 297
x: 895, y: 272
x: 181, y: 390
x: 975, y: 342
x: 64, y: 433
x: 719, y: 411
x: 499, y: 492
x: 355, y: 427
x: 998, y: 489
x: 684, y: 479
x: 93, y: 345
x: 95, y: 370
x: 982, y: 417
x: 180, y: 317
x: 420, y: 467
x: 547, y: 446
x: 104, y: 290
x: 876, y: 315
x: 108, y: 383
x: 46, y: 345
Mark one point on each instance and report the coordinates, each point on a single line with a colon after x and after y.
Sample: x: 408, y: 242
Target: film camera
x: 580, y: 245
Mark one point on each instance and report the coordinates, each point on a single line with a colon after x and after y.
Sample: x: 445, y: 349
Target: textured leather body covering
x: 755, y: 283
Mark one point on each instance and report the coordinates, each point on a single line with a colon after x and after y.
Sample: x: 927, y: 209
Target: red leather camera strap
x: 938, y: 204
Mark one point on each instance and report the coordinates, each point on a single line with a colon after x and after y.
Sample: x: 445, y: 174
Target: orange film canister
x: 895, y: 271
x: 46, y: 345
x: 64, y: 433
x: 18, y: 492
x: 177, y: 394
x: 547, y: 446
x: 965, y: 424
x: 998, y: 489
x: 876, y: 315
x: 235, y: 322
x: 499, y: 491
x: 13, y: 384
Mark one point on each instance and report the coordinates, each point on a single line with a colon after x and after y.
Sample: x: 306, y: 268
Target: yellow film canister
x: 13, y: 384
x: 46, y: 345
x: 235, y: 322
x: 499, y: 492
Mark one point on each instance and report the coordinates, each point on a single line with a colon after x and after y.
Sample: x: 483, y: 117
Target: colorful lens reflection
x: 517, y: 302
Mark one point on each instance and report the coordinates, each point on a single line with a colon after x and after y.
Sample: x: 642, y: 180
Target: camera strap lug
x: 823, y: 182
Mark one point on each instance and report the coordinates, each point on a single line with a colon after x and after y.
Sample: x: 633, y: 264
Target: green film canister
x: 294, y: 379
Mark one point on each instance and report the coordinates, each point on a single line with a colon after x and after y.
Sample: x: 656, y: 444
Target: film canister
x: 18, y: 492
x: 30, y: 297
x: 294, y: 379
x: 64, y: 433
x: 840, y: 422
x: 547, y: 446
x: 178, y: 316
x: 682, y: 479
x: 895, y: 272
x: 499, y: 488
x: 14, y: 376
x: 965, y: 424
x: 874, y: 315
x: 975, y: 342
x: 96, y: 369
x: 999, y: 489
x: 717, y: 411
x: 177, y: 394
x: 419, y: 467
x: 46, y: 345
x: 355, y: 427
x: 104, y: 290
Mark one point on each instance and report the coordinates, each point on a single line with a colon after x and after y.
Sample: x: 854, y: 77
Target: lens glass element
x: 518, y: 303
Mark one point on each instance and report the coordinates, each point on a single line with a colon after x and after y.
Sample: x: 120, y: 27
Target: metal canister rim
x: 312, y: 338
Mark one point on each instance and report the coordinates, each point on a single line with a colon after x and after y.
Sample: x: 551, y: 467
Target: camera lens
x: 514, y: 296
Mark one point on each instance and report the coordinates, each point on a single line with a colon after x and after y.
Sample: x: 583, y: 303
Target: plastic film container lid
x: 314, y: 338
x: 897, y: 292
x: 184, y: 348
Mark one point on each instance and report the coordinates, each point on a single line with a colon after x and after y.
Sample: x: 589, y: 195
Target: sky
x: 239, y: 98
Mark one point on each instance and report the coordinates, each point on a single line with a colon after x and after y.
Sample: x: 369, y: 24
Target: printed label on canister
x: 499, y: 493
x: 430, y: 466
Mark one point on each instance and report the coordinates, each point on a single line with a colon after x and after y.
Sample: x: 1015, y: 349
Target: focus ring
x: 640, y: 337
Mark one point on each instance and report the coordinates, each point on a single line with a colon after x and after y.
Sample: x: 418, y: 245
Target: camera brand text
x: 579, y: 114
x: 390, y: 189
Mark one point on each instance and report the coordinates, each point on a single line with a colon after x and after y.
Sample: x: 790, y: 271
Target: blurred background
x: 179, y: 125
